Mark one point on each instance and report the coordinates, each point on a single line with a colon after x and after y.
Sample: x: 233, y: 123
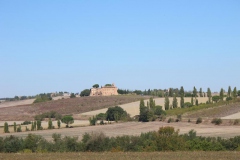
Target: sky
x: 48, y: 46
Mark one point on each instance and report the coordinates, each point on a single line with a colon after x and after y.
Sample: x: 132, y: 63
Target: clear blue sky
x: 58, y: 45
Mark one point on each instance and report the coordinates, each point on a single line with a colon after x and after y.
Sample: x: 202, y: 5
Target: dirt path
x: 136, y: 128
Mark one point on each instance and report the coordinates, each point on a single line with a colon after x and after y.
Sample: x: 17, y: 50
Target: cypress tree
x: 15, y: 126
x: 229, y: 91
x: 6, y: 129
x: 209, y: 94
x: 235, y: 93
x: 200, y: 92
x: 166, y: 104
x: 175, y: 103
x: 221, y: 94
x: 59, y: 124
x: 182, y: 101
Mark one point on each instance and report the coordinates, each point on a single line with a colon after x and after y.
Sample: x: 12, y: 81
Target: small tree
x: 50, y: 126
x: 235, y: 94
x: 192, y: 101
x: 39, y: 123
x: 194, y: 92
x: 67, y: 120
x: 6, y: 129
x: 196, y: 102
x: 59, y: 124
x: 209, y: 94
x: 85, y: 92
x: 182, y: 101
x: 19, y: 129
x: 216, y: 98
x: 15, y: 127
x: 175, y: 102
x: 35, y: 125
x: 72, y: 95
x: 166, y: 104
x: 221, y: 95
x: 95, y: 86
x: 229, y: 91
x: 200, y: 92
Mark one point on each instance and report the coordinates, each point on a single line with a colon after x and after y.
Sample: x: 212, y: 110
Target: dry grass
x: 125, y: 155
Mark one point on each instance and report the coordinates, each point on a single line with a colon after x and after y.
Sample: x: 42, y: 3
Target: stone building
x: 104, y: 91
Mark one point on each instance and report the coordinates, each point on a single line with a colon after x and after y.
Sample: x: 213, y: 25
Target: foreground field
x: 136, y: 128
x: 125, y: 155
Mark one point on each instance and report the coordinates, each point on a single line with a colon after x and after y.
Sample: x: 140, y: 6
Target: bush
x: 217, y: 121
x: 187, y: 104
x: 199, y: 120
x: 92, y: 121
x: 236, y: 121
x: 43, y: 98
x: 170, y: 120
x: 159, y: 111
x: 26, y: 123
x: 72, y: 95
x: 101, y: 116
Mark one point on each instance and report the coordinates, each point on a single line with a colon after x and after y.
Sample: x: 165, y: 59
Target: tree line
x: 165, y: 139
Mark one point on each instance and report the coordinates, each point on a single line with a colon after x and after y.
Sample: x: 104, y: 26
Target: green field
x: 126, y: 156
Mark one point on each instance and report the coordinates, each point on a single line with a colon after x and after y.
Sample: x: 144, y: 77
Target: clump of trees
x: 116, y: 114
x: 151, y: 111
x: 43, y: 98
x: 85, y: 92
x: 51, y: 114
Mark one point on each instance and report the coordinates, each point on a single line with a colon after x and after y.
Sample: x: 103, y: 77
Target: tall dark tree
x: 229, y: 91
x: 175, y: 102
x: 6, y: 130
x: 221, y: 95
x: 151, y: 103
x: 181, y: 92
x: 235, y: 93
x: 194, y: 92
x: 182, y: 101
x: 209, y: 94
x: 166, y: 103
x: 142, y: 106
x: 200, y: 92
x: 192, y: 101
x: 170, y: 92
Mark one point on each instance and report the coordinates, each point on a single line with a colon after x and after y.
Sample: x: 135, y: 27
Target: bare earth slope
x: 64, y: 106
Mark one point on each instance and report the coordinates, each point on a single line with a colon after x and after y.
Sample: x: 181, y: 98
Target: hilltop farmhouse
x: 107, y: 90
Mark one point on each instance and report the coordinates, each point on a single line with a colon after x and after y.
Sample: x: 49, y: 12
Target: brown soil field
x: 125, y: 155
x: 63, y: 106
x: 136, y: 128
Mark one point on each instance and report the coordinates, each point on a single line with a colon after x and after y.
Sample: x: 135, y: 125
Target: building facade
x: 104, y: 91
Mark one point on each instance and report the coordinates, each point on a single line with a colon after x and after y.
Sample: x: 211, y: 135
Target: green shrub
x: 217, y: 121
x: 101, y: 116
x: 236, y: 122
x: 26, y: 123
x: 187, y: 104
x: 199, y: 120
x: 93, y: 121
x: 170, y: 120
